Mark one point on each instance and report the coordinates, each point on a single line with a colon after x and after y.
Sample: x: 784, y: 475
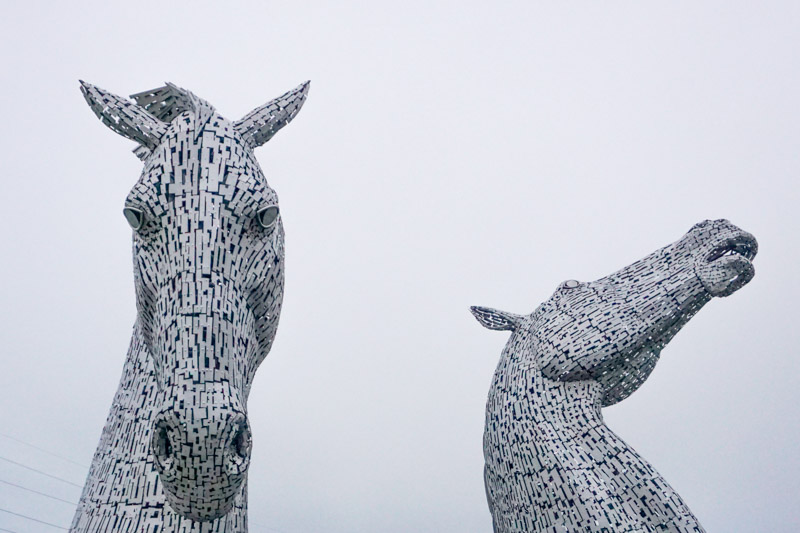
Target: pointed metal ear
x: 260, y: 124
x: 494, y: 319
x: 124, y: 117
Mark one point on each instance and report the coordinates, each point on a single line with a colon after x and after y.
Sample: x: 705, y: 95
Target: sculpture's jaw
x: 728, y: 266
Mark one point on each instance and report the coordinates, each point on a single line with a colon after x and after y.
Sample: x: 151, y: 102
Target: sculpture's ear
x: 494, y: 319
x: 124, y: 116
x: 260, y: 124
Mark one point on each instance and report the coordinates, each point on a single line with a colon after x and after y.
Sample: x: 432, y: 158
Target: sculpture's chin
x: 199, y: 511
x: 726, y: 275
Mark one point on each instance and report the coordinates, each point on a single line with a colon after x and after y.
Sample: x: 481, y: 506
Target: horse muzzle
x: 201, y: 448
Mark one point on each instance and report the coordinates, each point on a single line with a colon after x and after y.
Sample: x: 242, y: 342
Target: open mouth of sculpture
x: 741, y: 246
x: 728, y: 267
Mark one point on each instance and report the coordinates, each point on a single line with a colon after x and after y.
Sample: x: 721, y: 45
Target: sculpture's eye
x: 571, y: 284
x: 267, y: 216
x: 135, y: 217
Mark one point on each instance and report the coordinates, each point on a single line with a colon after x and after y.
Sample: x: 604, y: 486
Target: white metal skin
x: 552, y: 465
x: 208, y: 266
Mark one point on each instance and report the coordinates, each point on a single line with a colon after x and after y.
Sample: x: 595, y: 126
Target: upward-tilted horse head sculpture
x: 208, y: 262
x: 551, y: 463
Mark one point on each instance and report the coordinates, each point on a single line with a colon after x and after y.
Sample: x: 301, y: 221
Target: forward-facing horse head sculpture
x: 208, y: 265
x: 551, y: 463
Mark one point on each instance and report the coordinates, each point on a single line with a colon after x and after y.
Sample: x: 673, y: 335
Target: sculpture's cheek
x: 574, y: 353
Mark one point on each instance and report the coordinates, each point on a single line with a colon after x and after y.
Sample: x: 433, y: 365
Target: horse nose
x: 228, y: 437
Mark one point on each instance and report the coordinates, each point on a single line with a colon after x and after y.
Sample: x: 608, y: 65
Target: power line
x: 33, y: 519
x: 37, y: 492
x: 59, y: 479
x: 40, y: 472
x: 48, y: 452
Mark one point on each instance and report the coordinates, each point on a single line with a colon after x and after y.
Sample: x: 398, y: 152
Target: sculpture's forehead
x: 206, y: 139
x: 566, y: 306
x: 204, y: 156
x: 192, y: 124
x: 570, y: 304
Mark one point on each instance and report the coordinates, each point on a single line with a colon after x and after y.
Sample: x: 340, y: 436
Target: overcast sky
x: 449, y: 154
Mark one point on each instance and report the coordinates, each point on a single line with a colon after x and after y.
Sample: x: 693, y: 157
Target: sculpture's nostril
x: 163, y: 447
x: 166, y: 444
x: 240, y: 443
x: 239, y: 446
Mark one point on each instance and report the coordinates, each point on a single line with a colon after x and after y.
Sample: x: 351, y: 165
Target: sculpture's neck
x: 562, y: 404
x: 559, y: 404
x: 123, y: 486
x: 552, y: 434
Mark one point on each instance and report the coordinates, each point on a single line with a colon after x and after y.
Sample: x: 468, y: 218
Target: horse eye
x: 135, y: 217
x: 571, y: 284
x: 267, y: 216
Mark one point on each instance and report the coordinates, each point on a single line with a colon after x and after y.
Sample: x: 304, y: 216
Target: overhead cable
x: 32, y: 519
x: 40, y: 472
x: 48, y: 452
x: 37, y: 492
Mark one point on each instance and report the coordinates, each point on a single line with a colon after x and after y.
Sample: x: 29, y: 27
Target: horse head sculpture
x: 208, y: 265
x: 550, y: 459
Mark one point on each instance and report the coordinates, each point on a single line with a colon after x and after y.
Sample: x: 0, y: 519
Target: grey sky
x: 449, y: 154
